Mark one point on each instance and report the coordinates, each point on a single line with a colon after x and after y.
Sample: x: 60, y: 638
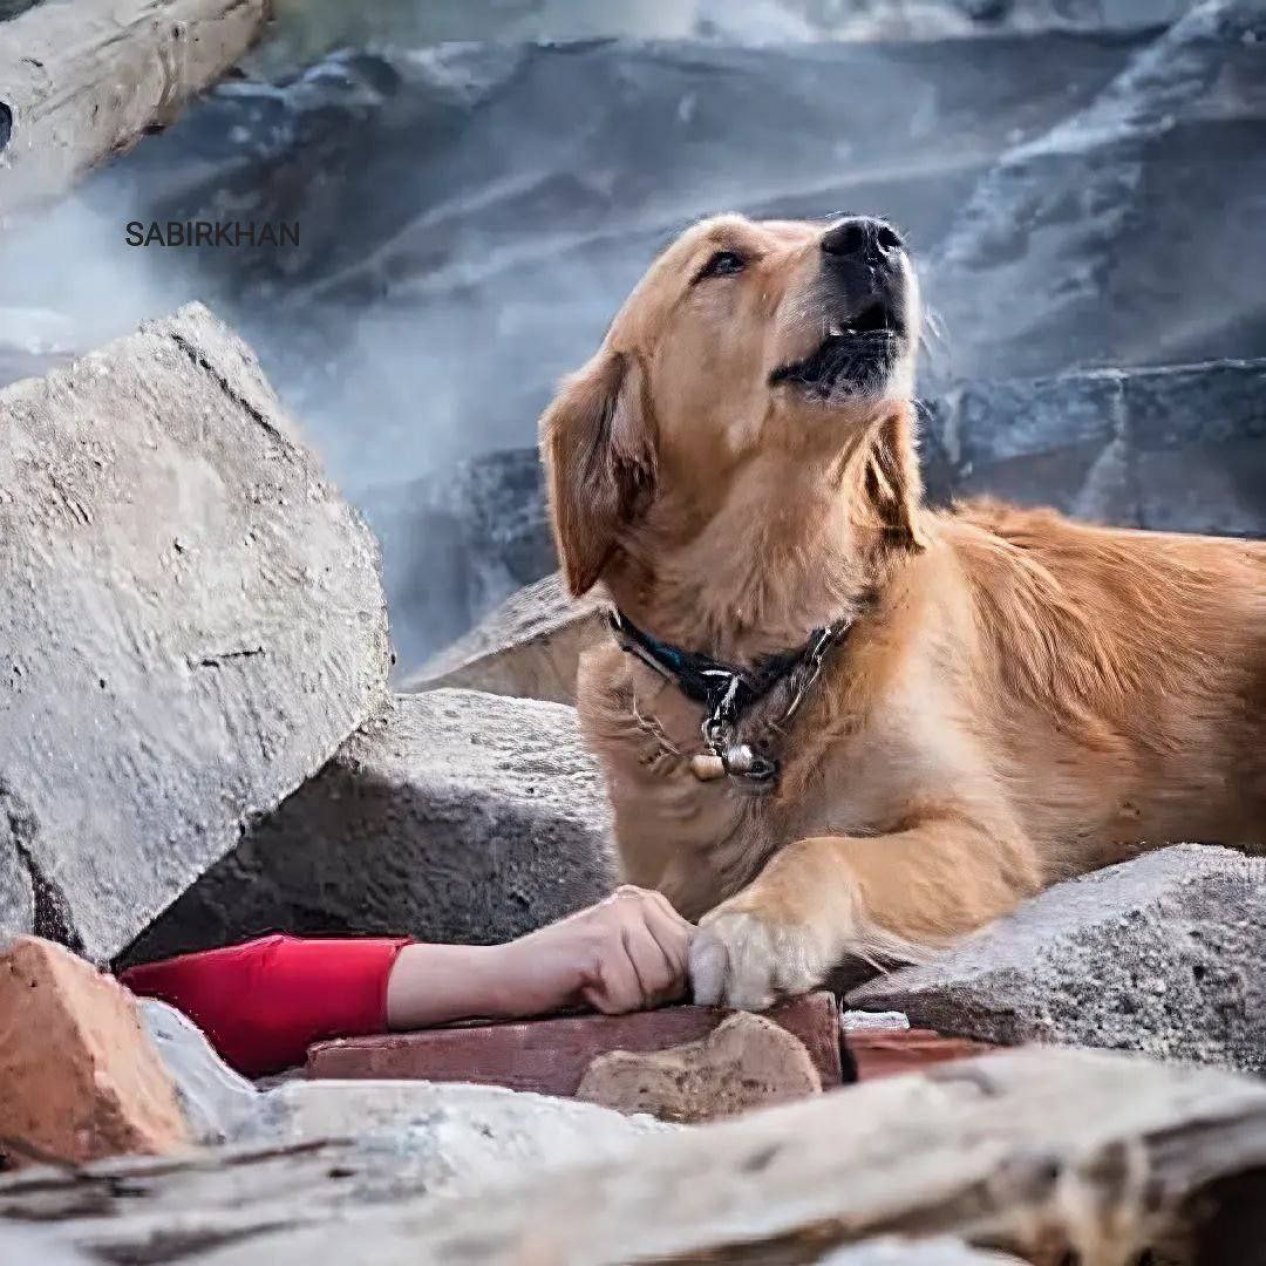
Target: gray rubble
x: 529, y: 647
x: 191, y: 622
x: 449, y: 1139
x: 1128, y: 234
x: 217, y: 1102
x: 1180, y: 448
x: 457, y: 816
x: 312, y: 1152
x: 1158, y: 955
x: 1060, y: 1152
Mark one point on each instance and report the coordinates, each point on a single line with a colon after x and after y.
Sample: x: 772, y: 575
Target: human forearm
x: 436, y: 984
x: 622, y: 954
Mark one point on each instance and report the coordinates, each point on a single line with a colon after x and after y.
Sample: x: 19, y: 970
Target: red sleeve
x: 262, y: 1004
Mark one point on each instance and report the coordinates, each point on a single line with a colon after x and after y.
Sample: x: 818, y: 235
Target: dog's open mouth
x: 855, y: 354
x: 877, y: 318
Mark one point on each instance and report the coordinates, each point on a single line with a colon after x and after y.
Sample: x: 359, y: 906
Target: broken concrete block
x: 191, y: 622
x: 316, y: 1151
x: 1178, y: 449
x: 1161, y: 955
x: 1053, y: 259
x: 80, y: 1078
x: 746, y: 1062
x: 449, y: 1139
x: 217, y: 1102
x: 1052, y: 1155
x: 551, y: 1056
x: 528, y: 647
x: 456, y: 816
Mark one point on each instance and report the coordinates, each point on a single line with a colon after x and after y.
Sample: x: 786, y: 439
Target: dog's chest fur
x: 700, y: 841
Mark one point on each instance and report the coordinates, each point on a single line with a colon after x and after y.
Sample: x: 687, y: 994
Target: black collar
x: 702, y: 678
x: 727, y: 692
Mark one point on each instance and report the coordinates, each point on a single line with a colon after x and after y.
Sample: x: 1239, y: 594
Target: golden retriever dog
x: 837, y: 724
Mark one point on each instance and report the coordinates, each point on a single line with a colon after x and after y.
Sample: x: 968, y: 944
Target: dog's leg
x: 891, y: 898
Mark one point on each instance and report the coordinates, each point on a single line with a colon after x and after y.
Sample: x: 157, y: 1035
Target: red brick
x: 890, y: 1052
x: 79, y: 1077
x: 550, y: 1056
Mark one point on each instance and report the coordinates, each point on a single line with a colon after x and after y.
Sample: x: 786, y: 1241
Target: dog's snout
x: 861, y: 235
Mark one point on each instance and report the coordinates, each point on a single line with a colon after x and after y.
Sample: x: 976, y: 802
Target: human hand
x: 627, y: 953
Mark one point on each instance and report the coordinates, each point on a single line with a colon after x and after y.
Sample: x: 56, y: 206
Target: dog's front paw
x: 742, y: 957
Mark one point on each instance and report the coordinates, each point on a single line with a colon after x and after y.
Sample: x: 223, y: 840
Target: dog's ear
x: 893, y: 482
x: 599, y: 457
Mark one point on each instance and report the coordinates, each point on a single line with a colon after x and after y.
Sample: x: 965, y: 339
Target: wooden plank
x: 81, y: 80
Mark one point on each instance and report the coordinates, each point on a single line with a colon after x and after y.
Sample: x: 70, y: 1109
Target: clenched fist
x: 627, y: 953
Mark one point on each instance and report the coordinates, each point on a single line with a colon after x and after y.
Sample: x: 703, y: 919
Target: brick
x: 891, y: 1052
x: 746, y: 1062
x: 79, y: 1077
x: 550, y: 1056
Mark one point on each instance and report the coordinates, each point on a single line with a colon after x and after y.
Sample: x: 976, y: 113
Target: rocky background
x: 1082, y: 180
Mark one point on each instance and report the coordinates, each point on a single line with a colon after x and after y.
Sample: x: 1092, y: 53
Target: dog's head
x: 785, y: 343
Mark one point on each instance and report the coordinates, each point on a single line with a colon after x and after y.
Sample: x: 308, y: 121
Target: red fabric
x: 262, y: 1004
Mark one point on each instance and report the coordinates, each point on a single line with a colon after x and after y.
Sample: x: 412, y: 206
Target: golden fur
x: 1028, y: 698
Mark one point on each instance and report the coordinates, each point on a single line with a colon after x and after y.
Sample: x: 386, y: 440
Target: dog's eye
x: 722, y: 264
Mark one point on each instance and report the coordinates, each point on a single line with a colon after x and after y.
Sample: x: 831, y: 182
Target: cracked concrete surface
x: 191, y: 623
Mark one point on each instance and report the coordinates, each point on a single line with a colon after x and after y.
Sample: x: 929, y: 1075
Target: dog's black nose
x: 861, y: 235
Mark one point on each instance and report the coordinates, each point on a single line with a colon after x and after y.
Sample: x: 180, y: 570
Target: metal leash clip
x: 738, y: 760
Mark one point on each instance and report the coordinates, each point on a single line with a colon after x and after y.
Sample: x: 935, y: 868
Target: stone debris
x: 529, y: 647
x: 746, y: 1062
x: 1058, y: 257
x: 1174, y: 449
x: 191, y: 623
x: 455, y: 816
x: 1158, y: 955
x: 218, y: 1103
x: 441, y: 1139
x: 985, y: 1151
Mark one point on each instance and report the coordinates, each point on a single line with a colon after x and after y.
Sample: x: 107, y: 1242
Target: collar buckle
x: 727, y: 692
